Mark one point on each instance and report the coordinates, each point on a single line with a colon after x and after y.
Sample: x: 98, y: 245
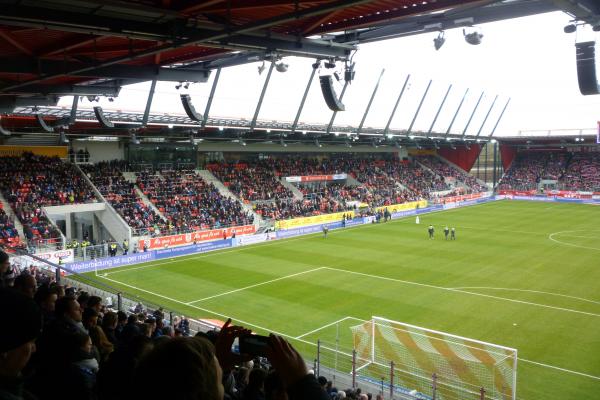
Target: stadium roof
x: 92, y: 48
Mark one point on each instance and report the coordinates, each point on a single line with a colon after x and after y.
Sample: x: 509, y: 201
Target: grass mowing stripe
x: 286, y: 240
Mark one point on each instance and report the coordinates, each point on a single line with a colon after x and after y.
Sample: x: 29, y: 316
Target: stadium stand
x: 251, y: 181
x: 108, y: 179
x: 31, y: 181
x: 582, y: 173
x: 189, y: 203
x: 444, y: 170
x: 529, y: 168
x: 381, y: 182
x: 9, y: 237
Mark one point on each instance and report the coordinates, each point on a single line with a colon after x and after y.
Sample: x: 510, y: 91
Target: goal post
x: 435, y: 364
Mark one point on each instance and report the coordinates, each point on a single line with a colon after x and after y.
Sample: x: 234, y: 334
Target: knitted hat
x: 20, y: 320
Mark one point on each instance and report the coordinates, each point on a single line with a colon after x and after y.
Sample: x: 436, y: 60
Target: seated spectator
x: 30, y: 182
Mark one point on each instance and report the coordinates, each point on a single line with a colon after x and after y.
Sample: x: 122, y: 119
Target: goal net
x: 434, y: 364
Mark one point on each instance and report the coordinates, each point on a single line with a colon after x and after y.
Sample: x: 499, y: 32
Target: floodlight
x: 317, y: 143
x: 571, y: 28
x: 178, y: 86
x: 473, y: 38
x: 187, y: 85
x: 261, y: 68
x: 281, y: 66
x: 439, y: 41
x: 330, y: 64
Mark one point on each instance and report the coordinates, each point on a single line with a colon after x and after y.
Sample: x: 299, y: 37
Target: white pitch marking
x: 326, y: 326
x: 246, y: 323
x: 527, y: 290
x: 462, y: 291
x: 551, y: 237
x: 256, y: 285
x: 561, y: 369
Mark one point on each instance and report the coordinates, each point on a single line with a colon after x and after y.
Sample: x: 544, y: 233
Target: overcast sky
x: 531, y: 60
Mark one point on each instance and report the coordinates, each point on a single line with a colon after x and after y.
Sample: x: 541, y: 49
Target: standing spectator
x: 22, y: 323
x: 4, y: 269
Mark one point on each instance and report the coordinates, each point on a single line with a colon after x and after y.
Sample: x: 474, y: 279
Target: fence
x: 94, y: 252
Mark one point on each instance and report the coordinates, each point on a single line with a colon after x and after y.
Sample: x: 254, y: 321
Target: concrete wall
x: 101, y: 151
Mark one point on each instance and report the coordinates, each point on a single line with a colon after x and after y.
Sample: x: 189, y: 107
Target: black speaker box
x: 586, y: 68
x: 329, y: 94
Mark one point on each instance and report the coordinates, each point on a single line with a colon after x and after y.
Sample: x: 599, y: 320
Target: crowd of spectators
x: 582, y: 173
x: 444, y: 170
x: 61, y: 343
x: 9, y: 237
x: 108, y: 178
x: 189, y: 203
x: 529, y: 168
x: 380, y: 182
x: 251, y: 182
x: 29, y: 182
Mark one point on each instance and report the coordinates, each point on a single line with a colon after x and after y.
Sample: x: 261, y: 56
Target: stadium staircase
x: 224, y: 191
x: 352, y: 181
x: 132, y: 178
x: 109, y: 217
x: 401, y: 186
x: 11, y: 215
x: 297, y: 194
x: 451, y: 164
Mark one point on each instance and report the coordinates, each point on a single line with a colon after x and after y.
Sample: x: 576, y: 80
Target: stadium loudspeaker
x: 329, y: 94
x: 586, y: 68
x: 191, y: 112
x: 43, y: 123
x: 102, y: 118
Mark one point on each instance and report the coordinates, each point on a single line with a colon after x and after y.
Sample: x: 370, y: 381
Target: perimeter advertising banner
x: 53, y: 256
x: 316, y: 178
x: 110, y: 262
x: 315, y: 220
x: 393, y: 208
x: 199, y: 236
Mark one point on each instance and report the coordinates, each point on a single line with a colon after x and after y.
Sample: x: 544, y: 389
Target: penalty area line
x: 327, y: 326
x: 255, y: 285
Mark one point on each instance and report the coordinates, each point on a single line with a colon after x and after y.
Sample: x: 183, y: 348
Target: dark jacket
x: 307, y: 388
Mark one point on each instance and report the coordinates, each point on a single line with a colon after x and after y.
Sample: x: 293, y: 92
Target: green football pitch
x: 524, y: 275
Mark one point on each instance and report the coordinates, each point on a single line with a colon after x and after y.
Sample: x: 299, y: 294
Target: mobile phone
x: 254, y: 345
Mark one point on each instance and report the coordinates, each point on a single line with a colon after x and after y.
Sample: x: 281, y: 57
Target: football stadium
x: 285, y: 199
